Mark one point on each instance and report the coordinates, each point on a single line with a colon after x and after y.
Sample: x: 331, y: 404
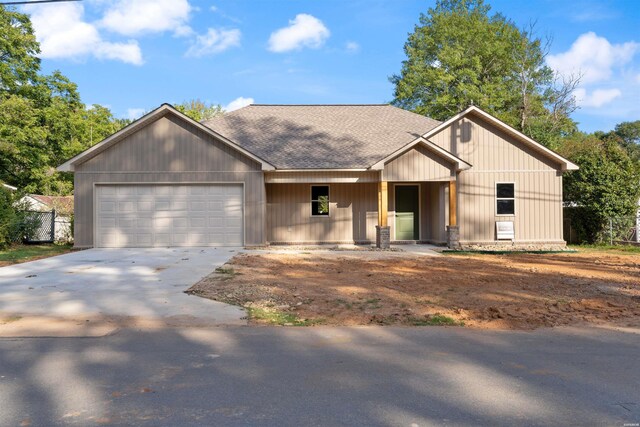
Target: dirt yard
x: 515, y: 291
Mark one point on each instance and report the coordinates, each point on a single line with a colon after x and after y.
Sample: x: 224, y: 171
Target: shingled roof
x: 321, y: 136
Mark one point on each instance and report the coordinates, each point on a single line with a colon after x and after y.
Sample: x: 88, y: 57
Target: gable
x: 490, y: 147
x: 418, y: 164
x: 168, y: 144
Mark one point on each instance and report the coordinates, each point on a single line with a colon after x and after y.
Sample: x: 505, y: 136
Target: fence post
x: 53, y: 225
x: 611, y: 231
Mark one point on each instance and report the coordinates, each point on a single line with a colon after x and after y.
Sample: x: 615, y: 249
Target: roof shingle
x: 321, y: 136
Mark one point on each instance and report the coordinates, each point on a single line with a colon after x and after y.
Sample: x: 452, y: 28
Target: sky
x: 133, y: 55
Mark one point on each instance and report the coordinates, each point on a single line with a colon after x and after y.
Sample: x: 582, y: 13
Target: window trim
x: 311, y: 214
x: 496, y: 198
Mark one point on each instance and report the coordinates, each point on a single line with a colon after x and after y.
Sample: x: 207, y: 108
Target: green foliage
x: 606, y: 186
x: 627, y: 135
x: 24, y: 253
x: 43, y: 121
x: 15, y: 223
x: 18, y: 49
x: 459, y: 55
x: 199, y: 110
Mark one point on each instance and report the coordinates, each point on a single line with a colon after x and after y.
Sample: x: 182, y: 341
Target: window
x: 505, y: 199
x: 320, y: 200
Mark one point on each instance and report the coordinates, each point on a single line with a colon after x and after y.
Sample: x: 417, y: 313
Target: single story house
x: 62, y: 220
x: 307, y: 174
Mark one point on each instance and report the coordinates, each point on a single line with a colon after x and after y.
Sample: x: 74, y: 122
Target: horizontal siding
x: 486, y: 147
x: 353, y: 214
x: 538, y: 201
x: 418, y: 164
x: 317, y: 177
x: 169, y: 151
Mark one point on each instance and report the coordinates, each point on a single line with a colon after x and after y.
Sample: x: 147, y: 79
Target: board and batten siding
x: 169, y: 150
x: 353, y: 214
x: 418, y: 164
x: 497, y: 156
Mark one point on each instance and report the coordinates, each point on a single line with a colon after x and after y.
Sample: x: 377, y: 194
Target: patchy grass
x: 23, y: 253
x: 274, y: 317
x: 436, y: 320
x: 617, y: 249
x: 10, y: 319
x: 226, y: 273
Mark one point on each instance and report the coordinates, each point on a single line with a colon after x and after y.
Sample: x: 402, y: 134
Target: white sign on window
x: 504, y: 230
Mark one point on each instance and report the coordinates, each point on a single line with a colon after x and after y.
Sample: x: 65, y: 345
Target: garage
x: 155, y: 215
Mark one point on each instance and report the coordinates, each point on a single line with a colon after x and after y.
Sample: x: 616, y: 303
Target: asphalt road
x: 384, y: 376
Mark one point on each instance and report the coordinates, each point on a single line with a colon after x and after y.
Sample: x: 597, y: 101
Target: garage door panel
x: 169, y: 215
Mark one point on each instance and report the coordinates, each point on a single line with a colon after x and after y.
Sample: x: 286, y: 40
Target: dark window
x: 505, y: 199
x: 320, y: 200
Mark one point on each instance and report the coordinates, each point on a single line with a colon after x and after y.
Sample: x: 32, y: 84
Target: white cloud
x: 303, y: 31
x: 135, y: 17
x: 63, y: 34
x: 352, y: 47
x: 594, y: 57
x: 135, y: 113
x: 597, y: 98
x: 238, y: 103
x: 214, y: 41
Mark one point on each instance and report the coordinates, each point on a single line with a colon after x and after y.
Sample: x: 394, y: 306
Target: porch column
x: 453, y: 230
x: 383, y: 235
x: 453, y: 204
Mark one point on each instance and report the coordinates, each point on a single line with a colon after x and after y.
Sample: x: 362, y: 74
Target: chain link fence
x: 42, y: 227
x: 616, y: 230
x: 624, y: 230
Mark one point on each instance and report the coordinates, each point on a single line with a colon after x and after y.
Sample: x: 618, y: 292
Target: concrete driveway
x: 132, y: 283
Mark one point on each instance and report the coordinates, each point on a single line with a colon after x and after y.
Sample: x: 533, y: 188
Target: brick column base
x: 383, y: 237
x: 453, y: 236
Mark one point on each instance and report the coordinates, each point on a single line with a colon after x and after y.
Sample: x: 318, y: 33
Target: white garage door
x: 168, y: 215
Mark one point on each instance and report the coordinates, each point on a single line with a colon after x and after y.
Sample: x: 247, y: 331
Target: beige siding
x: 499, y: 157
x: 486, y: 147
x: 538, y: 201
x: 418, y: 164
x: 353, y: 214
x: 169, y: 151
x: 321, y: 177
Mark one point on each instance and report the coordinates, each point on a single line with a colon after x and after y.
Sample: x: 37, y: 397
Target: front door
x: 407, y: 212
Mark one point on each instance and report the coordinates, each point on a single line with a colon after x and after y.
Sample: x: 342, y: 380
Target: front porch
x: 416, y: 212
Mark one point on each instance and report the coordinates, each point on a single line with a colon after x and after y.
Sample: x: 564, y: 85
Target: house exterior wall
x: 418, y: 164
x: 169, y: 150
x: 353, y: 214
x: 497, y: 156
x: 306, y: 177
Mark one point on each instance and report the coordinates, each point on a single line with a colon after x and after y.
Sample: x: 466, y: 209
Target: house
x: 304, y: 174
x: 62, y: 220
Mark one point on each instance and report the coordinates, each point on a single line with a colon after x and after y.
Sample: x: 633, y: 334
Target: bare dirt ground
x: 514, y: 291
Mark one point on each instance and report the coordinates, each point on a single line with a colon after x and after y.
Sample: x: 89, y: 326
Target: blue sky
x: 133, y: 55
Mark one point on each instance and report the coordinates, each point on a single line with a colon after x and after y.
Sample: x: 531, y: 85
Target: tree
x: 199, y: 110
x: 606, y: 186
x: 459, y: 55
x: 19, y: 64
x: 627, y: 134
x: 43, y: 121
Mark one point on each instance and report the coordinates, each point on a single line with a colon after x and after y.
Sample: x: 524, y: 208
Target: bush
x: 15, y: 222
